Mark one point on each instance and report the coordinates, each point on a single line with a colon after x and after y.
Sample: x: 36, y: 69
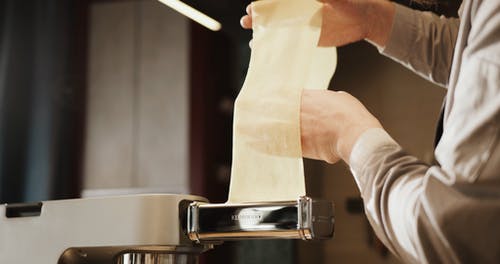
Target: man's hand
x: 347, y: 21
x: 330, y: 124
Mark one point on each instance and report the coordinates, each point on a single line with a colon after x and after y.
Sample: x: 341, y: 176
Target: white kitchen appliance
x: 149, y: 228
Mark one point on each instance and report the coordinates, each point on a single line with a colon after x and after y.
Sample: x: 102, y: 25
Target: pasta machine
x: 149, y: 228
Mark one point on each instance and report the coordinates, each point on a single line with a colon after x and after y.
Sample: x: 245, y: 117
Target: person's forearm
x: 391, y: 184
x: 380, y: 17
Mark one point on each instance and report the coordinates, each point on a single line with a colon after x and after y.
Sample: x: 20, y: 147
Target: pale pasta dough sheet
x: 267, y: 156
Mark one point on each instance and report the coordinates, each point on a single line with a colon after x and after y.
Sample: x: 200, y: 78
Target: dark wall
x: 42, y: 96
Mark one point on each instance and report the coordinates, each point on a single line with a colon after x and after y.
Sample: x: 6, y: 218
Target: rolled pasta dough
x: 267, y: 156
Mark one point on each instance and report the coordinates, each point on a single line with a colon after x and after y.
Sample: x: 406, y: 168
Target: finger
x: 249, y: 9
x: 246, y: 22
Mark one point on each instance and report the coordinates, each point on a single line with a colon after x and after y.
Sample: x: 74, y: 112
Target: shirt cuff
x: 370, y: 143
x: 403, y: 33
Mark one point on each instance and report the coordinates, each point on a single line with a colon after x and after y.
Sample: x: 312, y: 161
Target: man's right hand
x: 347, y: 21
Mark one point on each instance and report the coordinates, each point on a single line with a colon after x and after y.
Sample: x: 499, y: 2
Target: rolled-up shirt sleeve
x: 423, y: 42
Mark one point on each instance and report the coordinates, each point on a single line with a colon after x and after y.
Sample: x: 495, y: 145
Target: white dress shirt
x: 448, y: 213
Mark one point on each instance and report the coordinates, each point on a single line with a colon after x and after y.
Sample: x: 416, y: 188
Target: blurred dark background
x: 42, y: 98
x: 98, y: 95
